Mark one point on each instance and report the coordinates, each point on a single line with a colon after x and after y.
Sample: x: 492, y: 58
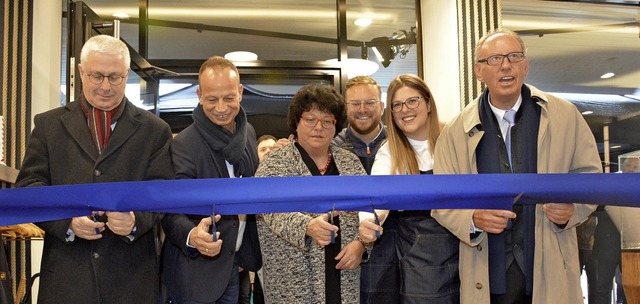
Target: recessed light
x: 607, y: 75
x: 587, y: 112
x: 241, y: 56
x: 362, y: 22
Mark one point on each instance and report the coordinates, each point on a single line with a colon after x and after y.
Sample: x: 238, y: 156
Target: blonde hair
x: 403, y: 156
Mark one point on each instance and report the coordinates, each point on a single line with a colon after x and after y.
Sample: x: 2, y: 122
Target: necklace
x: 326, y: 166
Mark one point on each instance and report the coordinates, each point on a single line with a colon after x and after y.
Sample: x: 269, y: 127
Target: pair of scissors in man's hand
x: 94, y: 216
x: 213, y: 228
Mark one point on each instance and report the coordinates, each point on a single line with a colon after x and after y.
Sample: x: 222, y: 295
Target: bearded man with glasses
x: 364, y: 134
x: 528, y: 254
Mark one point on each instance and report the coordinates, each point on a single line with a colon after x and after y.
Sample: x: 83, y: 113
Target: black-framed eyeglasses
x: 369, y: 104
x: 312, y: 122
x: 494, y: 60
x: 411, y: 103
x: 114, y: 79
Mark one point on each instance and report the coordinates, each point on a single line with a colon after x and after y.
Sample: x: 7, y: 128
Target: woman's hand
x: 319, y: 229
x: 368, y: 228
x: 350, y: 256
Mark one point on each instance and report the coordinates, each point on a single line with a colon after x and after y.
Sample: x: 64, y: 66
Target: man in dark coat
x: 106, y: 256
x: 219, y: 144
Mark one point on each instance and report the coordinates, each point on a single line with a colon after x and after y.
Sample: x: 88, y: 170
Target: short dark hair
x: 317, y: 96
x: 265, y: 137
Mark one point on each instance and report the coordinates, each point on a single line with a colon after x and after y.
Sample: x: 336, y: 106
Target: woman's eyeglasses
x: 311, y: 122
x: 411, y: 103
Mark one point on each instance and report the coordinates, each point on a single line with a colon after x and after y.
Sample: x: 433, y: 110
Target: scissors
x: 213, y: 229
x: 333, y: 234
x: 94, y: 216
x: 376, y: 219
x: 510, y: 221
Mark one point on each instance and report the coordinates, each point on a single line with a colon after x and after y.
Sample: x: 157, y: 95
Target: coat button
x: 96, y: 255
x: 479, y: 247
x: 231, y: 252
x: 478, y: 285
x: 97, y: 172
x: 471, y: 134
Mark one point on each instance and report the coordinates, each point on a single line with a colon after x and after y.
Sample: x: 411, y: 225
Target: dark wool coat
x: 188, y: 275
x: 113, y: 269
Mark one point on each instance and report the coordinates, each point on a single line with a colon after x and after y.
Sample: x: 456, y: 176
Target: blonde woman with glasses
x: 428, y: 253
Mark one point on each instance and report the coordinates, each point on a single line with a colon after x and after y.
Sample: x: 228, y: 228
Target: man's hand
x: 121, y: 223
x: 319, y: 229
x: 282, y: 142
x: 202, y: 240
x: 84, y: 227
x: 492, y: 221
x: 558, y: 213
x: 350, y: 256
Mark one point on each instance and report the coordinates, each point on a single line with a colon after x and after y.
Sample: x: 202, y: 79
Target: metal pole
x: 607, y: 156
x: 116, y: 28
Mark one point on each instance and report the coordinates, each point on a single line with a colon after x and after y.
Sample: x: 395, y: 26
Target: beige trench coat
x: 565, y: 145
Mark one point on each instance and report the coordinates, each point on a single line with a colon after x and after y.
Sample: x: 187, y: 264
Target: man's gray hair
x: 106, y: 45
x: 497, y: 31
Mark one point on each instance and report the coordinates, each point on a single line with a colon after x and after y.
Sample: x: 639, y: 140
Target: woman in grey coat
x: 300, y: 262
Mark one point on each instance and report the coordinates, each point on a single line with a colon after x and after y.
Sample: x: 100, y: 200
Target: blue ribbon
x: 317, y: 194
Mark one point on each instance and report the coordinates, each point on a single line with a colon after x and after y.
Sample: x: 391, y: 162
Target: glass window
x: 570, y: 47
x: 291, y: 39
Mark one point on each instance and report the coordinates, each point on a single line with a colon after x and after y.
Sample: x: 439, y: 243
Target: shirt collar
x: 499, y: 113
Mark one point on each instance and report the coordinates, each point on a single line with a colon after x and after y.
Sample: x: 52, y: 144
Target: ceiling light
x: 607, y: 75
x: 357, y: 67
x: 121, y: 15
x: 587, y: 112
x: 386, y: 49
x: 384, y: 53
x: 362, y: 22
x: 241, y: 56
x: 611, y: 72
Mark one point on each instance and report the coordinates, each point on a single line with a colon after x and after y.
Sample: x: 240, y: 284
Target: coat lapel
x: 76, y: 124
x: 126, y: 126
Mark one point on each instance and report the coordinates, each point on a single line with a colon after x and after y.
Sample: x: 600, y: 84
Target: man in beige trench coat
x: 530, y: 254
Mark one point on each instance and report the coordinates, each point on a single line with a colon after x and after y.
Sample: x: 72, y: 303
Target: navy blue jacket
x: 187, y: 274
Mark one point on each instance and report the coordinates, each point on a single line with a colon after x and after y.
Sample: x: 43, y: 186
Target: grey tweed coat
x: 293, y: 264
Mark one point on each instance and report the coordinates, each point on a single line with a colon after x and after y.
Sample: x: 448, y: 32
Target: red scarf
x: 99, y: 122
